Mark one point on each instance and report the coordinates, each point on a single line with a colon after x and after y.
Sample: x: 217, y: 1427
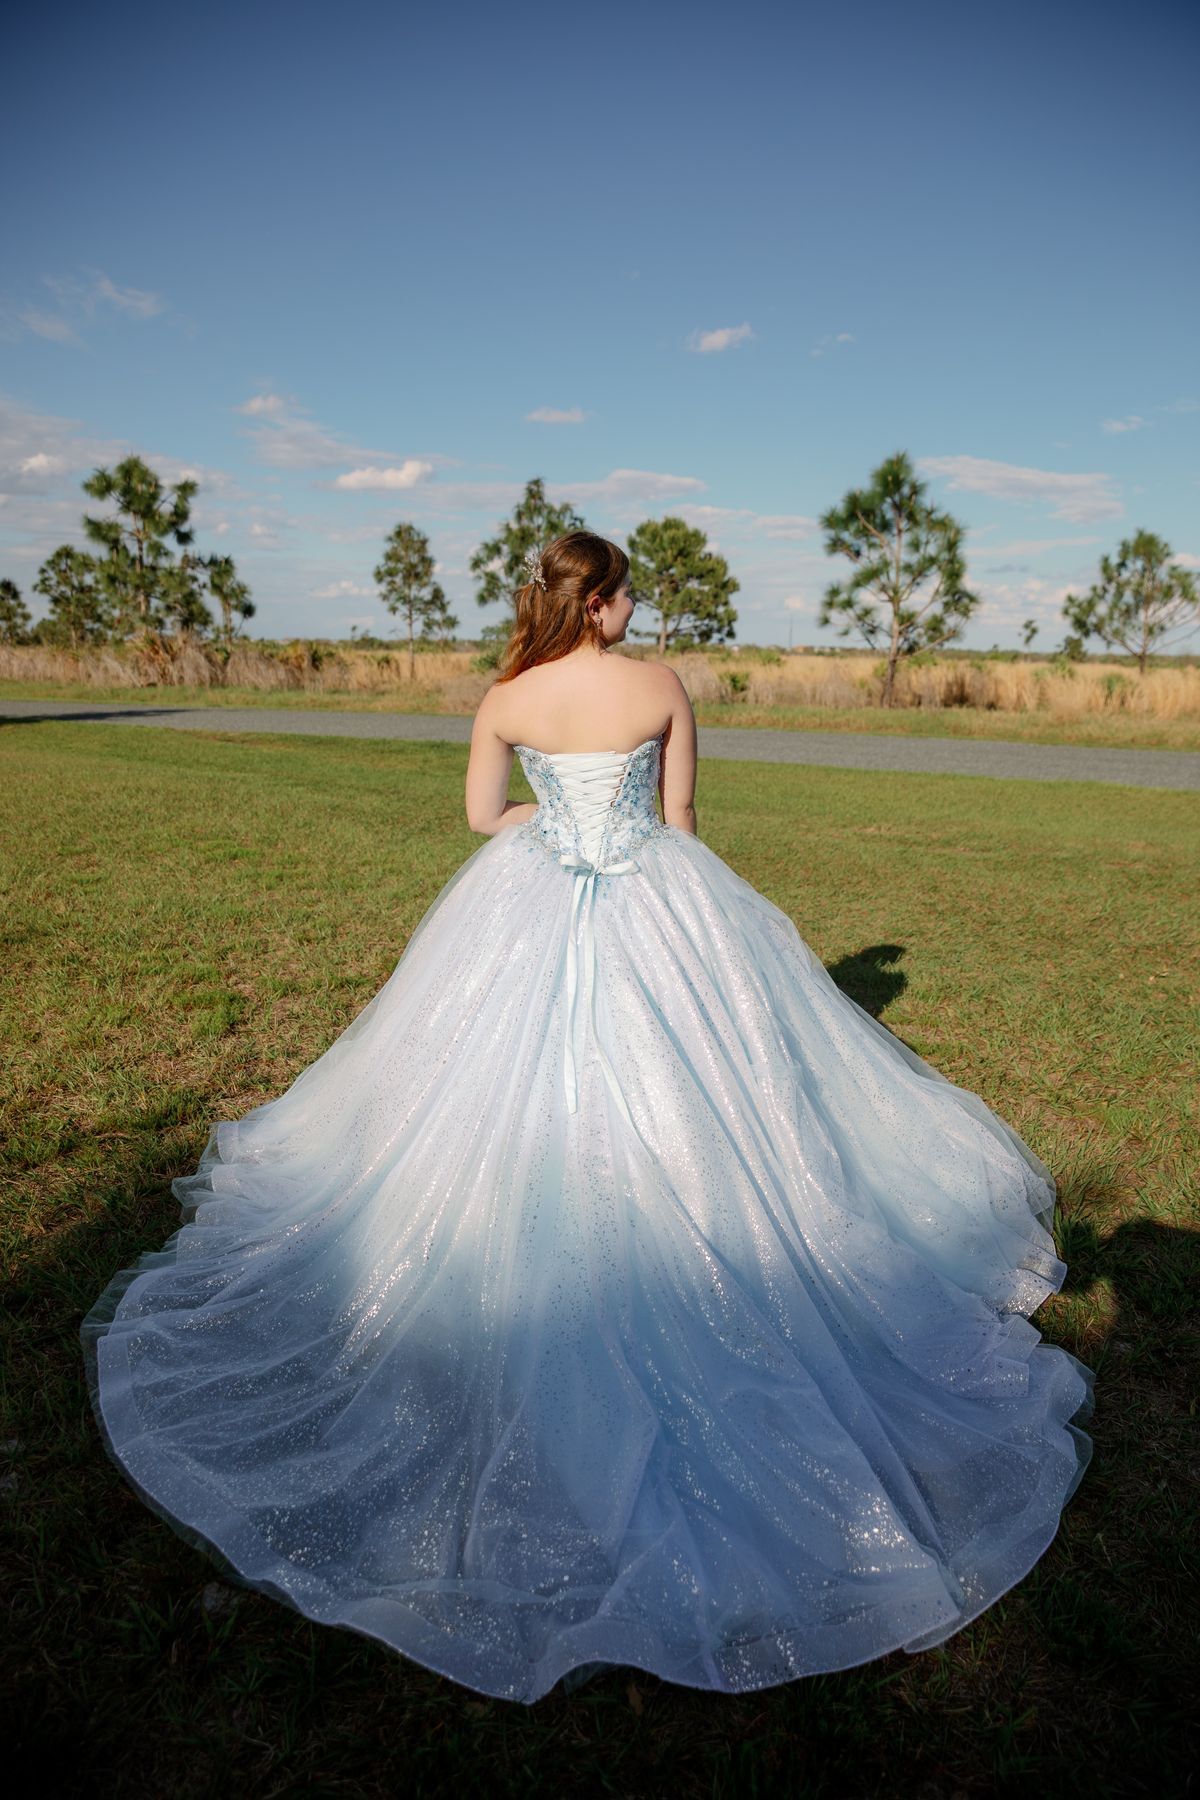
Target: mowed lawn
x: 189, y: 921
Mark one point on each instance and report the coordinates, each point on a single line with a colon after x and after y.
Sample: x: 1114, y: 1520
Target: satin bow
x: 582, y: 900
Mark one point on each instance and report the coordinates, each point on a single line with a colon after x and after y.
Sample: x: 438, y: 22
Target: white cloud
x: 1006, y: 605
x: 771, y: 525
x: 553, y: 415
x: 285, y: 437
x: 384, y: 480
x: 49, y: 325
x: 1181, y: 406
x: 372, y: 533
x: 699, y: 513
x: 1134, y: 422
x: 86, y: 296
x: 38, y: 449
x: 42, y: 463
x: 209, y: 480
x: 1034, y: 546
x: 840, y: 337
x: 341, y: 590
x: 1079, y: 498
x: 644, y: 486
x: 786, y: 525
x: 263, y: 406
x: 726, y: 337
x: 139, y: 303
x: 78, y: 299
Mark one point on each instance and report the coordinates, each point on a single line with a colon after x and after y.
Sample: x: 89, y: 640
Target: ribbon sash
x: 583, y: 898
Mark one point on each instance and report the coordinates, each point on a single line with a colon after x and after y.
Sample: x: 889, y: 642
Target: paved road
x: 832, y: 749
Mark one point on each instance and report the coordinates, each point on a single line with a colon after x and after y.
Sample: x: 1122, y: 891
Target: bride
x: 613, y: 1289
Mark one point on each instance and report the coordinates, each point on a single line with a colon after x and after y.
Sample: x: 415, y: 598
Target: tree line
x: 906, y: 591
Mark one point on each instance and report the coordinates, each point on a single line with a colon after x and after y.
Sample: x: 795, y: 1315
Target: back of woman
x: 564, y: 687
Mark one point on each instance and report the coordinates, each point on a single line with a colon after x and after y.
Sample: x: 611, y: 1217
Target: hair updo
x: 551, y: 621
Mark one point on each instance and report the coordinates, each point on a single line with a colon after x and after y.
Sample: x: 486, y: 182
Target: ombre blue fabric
x: 613, y: 1290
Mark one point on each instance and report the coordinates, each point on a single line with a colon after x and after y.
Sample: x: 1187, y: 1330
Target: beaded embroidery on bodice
x: 595, y: 804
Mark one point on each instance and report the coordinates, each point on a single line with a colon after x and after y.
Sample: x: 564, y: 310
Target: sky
x: 352, y: 266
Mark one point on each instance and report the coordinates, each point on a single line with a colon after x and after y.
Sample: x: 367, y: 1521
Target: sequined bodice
x: 595, y: 804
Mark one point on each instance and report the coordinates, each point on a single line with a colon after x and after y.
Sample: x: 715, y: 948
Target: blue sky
x: 352, y: 265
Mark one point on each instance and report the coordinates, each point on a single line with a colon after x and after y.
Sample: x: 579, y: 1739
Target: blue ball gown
x: 614, y: 1290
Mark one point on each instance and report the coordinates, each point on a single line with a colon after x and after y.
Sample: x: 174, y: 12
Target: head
x: 586, y: 601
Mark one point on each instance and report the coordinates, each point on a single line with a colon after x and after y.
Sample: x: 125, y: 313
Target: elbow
x: 681, y: 818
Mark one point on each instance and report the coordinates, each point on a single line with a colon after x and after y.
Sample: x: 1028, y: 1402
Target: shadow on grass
x: 869, y: 978
x: 132, y: 1670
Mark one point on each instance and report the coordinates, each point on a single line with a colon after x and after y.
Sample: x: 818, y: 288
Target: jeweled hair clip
x: 533, y: 563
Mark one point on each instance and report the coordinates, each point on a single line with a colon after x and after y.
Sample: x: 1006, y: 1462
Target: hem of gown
x: 597, y: 1646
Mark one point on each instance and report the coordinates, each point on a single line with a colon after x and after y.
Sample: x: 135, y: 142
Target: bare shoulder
x: 493, y: 712
x: 667, y: 682
x: 508, y: 709
x: 671, y: 694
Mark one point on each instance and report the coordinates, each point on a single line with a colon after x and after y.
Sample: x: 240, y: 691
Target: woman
x: 614, y: 1289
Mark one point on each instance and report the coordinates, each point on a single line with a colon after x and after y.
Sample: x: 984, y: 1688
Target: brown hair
x: 550, y: 622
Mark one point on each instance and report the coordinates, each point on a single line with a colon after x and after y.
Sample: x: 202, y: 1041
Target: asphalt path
x: 828, y: 749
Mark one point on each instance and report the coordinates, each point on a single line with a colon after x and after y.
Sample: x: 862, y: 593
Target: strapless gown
x: 613, y: 1290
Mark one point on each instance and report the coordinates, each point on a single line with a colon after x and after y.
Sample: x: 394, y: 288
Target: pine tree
x: 16, y: 620
x: 407, y: 587
x: 688, y: 587
x: 1140, y: 599
x: 898, y: 543
x: 183, y: 605
x: 80, y: 608
x: 136, y: 569
x: 231, y: 595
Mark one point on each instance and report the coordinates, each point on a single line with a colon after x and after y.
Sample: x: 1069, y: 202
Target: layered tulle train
x: 723, y: 1371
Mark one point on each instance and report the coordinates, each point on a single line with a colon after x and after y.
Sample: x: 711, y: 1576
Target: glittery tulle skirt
x: 729, y: 1377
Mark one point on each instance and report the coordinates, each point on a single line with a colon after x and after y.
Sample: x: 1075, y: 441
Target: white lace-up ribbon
x: 582, y: 904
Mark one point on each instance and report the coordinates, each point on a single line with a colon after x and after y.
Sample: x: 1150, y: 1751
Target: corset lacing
x: 591, y: 781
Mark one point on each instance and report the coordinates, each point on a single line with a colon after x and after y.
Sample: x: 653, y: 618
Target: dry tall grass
x: 1059, y: 690
x: 446, y: 682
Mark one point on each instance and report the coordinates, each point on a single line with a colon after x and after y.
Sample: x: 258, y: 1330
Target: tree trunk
x: 889, y: 680
x: 889, y: 685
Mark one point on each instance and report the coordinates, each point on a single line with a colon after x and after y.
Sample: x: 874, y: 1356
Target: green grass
x: 189, y: 919
x: 1116, y: 729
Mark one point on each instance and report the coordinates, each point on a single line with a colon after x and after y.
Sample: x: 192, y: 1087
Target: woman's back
x: 585, y: 701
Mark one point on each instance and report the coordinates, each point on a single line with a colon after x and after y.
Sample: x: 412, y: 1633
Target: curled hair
x: 550, y: 622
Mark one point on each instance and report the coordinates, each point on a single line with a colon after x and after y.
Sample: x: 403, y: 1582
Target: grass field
x: 1116, y: 730
x: 189, y: 921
